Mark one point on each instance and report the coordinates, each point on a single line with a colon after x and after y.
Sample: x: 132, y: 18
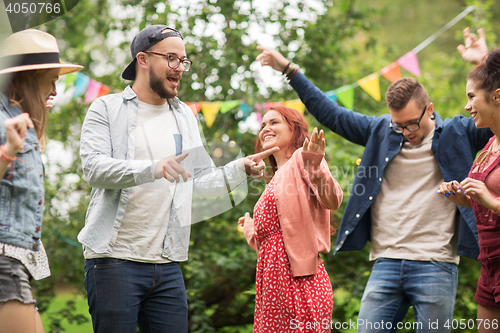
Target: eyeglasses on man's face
x: 412, y: 127
x: 174, y: 61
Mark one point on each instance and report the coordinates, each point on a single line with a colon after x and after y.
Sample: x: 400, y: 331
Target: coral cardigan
x: 305, y: 192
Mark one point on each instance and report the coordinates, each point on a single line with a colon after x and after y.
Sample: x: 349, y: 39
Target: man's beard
x: 156, y: 84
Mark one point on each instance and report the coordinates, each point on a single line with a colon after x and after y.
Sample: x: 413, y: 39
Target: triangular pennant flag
x: 92, y: 90
x: 371, y: 85
x: 331, y: 95
x: 269, y: 105
x: 210, y: 110
x: 295, y: 104
x: 70, y: 80
x: 345, y: 95
x: 391, y: 72
x: 410, y: 62
x: 228, y: 105
x: 259, y: 117
x: 81, y: 84
x: 195, y: 107
x: 246, y: 110
x: 103, y: 91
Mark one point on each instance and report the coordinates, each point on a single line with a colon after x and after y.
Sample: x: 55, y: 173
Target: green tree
x: 336, y: 45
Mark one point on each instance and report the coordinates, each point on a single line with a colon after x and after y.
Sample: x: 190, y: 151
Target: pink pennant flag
x: 92, y: 91
x: 410, y: 62
x: 259, y: 117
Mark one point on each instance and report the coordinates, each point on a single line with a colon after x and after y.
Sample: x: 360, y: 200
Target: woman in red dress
x: 481, y: 189
x: 291, y: 226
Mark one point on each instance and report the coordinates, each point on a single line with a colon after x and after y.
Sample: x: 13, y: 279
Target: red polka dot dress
x: 284, y: 303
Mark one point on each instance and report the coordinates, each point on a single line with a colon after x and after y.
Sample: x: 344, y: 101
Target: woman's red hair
x: 297, y: 124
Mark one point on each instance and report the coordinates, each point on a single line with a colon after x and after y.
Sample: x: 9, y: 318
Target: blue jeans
x: 123, y: 294
x: 395, y: 284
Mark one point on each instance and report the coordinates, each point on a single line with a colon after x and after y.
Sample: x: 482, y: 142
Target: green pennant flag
x: 228, y: 105
x: 345, y: 95
x: 70, y: 80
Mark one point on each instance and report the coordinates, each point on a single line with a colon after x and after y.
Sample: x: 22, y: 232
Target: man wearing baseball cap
x: 142, y: 153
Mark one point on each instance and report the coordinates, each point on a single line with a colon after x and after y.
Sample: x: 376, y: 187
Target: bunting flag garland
x: 195, y: 107
x: 295, y: 104
x: 103, y: 91
x: 93, y: 90
x: 209, y: 111
x: 331, y: 95
x: 371, y: 85
x: 228, y: 105
x: 74, y: 85
x: 246, y: 110
x: 345, y: 95
x: 259, y: 117
x: 81, y: 83
x: 70, y: 80
x: 391, y: 72
x: 410, y: 62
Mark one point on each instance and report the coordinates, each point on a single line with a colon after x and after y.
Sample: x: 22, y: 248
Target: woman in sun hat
x: 30, y: 66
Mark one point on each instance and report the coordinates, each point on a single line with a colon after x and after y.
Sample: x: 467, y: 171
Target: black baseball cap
x: 148, y: 37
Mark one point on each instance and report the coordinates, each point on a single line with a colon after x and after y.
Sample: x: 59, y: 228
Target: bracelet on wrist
x: 293, y: 73
x: 286, y: 67
x: 4, y: 156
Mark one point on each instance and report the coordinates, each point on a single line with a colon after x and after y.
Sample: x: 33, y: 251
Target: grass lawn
x: 59, y: 303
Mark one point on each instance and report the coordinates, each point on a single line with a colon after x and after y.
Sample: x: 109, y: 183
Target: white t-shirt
x: 145, y: 221
x: 409, y: 219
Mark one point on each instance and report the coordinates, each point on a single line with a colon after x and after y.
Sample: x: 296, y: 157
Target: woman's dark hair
x: 487, y: 74
x: 297, y: 123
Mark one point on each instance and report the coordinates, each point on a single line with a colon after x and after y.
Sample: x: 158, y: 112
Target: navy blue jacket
x: 455, y: 144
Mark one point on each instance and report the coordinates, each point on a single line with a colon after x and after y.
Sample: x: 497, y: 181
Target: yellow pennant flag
x: 371, y: 85
x: 295, y: 104
x: 209, y: 111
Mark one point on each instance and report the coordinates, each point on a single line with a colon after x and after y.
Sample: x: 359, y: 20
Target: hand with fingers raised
x: 272, y: 58
x: 316, y: 144
x: 475, y: 49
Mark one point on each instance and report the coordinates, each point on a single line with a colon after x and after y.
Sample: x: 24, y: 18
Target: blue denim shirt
x: 21, y: 189
x: 107, y: 152
x: 455, y: 144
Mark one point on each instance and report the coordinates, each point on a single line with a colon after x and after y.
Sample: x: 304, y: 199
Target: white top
x: 409, y: 219
x: 36, y: 262
x: 145, y: 222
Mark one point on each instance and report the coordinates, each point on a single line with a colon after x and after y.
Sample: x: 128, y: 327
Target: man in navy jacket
x: 415, y: 238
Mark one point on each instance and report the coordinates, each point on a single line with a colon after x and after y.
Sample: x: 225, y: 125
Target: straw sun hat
x: 32, y: 49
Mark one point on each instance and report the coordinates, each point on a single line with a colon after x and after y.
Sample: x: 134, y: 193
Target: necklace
x: 484, y: 160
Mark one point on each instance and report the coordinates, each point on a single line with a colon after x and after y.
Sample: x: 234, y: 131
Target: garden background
x: 335, y: 43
